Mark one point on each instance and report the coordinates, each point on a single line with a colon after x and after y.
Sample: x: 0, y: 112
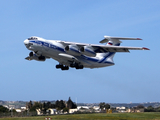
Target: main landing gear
x: 63, y: 67
x: 77, y: 66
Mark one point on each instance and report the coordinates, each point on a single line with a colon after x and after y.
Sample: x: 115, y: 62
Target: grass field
x: 98, y: 116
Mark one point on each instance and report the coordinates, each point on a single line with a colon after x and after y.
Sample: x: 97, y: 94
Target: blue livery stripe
x: 108, y: 55
x: 48, y: 45
x: 90, y: 59
x: 90, y: 51
x: 74, y: 50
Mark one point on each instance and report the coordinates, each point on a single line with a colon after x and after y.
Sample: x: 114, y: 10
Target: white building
x: 120, y: 108
x: 83, y: 107
x: 73, y: 110
x: 52, y: 111
x: 96, y: 108
x: 39, y: 112
x: 18, y: 110
x: 23, y: 108
x: 10, y: 107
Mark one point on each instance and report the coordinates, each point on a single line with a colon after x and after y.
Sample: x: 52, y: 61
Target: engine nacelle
x: 73, y: 50
x: 37, y: 57
x: 88, y: 51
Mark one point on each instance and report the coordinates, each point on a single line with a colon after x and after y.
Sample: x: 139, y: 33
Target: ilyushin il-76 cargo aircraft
x: 77, y: 55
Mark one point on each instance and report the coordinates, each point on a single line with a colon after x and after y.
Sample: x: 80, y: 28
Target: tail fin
x: 115, y: 41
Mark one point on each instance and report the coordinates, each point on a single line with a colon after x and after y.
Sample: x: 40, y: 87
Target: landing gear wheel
x: 72, y: 65
x: 65, y: 68
x: 79, y: 67
x: 59, y: 66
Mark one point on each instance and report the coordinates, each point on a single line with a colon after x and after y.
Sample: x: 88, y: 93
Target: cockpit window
x: 32, y: 38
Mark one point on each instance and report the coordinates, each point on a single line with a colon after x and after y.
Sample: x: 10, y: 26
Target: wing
x: 105, y: 48
x: 118, y: 48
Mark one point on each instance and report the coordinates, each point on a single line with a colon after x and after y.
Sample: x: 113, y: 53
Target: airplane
x: 77, y: 55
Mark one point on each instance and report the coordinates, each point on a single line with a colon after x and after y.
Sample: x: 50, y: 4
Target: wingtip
x: 139, y: 39
x: 144, y: 48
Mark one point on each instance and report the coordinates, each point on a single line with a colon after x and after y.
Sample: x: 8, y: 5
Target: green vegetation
x: 59, y: 105
x: 98, y: 116
x: 104, y: 105
x: 16, y: 104
x: 152, y: 109
x: 3, y: 109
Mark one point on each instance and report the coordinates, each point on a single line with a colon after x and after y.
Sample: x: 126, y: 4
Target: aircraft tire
x: 65, y: 68
x: 79, y: 67
x: 72, y: 65
x: 59, y: 66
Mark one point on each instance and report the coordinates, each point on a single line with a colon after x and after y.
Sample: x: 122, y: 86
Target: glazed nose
x: 26, y: 42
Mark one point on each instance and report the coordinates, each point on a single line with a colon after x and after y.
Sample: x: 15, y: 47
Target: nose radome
x: 26, y: 42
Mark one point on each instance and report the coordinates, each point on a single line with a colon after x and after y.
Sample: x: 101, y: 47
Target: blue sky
x: 134, y: 78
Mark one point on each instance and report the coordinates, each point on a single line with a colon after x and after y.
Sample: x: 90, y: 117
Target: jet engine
x: 88, y: 51
x: 37, y: 56
x: 73, y: 50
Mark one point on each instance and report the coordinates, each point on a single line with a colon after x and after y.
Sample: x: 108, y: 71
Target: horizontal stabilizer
x: 109, y: 38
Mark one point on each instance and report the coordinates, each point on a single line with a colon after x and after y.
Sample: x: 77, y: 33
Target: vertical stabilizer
x: 112, y: 41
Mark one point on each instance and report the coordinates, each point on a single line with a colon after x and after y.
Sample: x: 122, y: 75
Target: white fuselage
x: 53, y: 49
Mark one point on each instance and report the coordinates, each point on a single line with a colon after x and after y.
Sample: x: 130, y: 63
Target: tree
x: 44, y: 105
x: 3, y: 109
x: 33, y: 107
x: 70, y: 104
x: 107, y: 106
x: 157, y: 109
x: 140, y: 106
x: 53, y: 106
x: 29, y: 105
x: 37, y: 105
x: 60, y: 104
x: 65, y: 110
x: 44, y: 108
x: 150, y: 109
x: 48, y: 105
x: 13, y: 110
x: 103, y: 105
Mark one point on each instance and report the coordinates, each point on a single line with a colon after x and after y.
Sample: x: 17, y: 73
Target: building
x: 82, y: 107
x: 52, y: 111
x: 121, y: 109
x: 96, y: 108
x: 73, y: 110
x: 18, y: 110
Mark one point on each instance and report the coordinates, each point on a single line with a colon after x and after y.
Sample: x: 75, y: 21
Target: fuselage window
x: 32, y: 38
